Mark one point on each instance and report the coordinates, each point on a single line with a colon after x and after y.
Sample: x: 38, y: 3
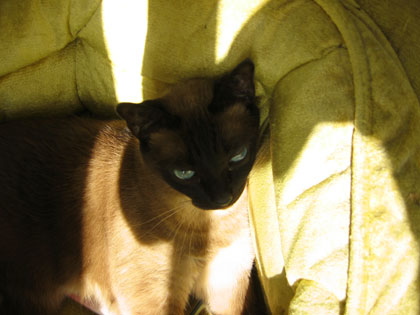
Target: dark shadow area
x: 44, y: 169
x: 43, y: 174
x: 255, y: 300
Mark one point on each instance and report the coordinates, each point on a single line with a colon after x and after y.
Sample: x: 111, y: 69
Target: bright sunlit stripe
x: 326, y: 151
x: 121, y: 20
x: 232, y: 17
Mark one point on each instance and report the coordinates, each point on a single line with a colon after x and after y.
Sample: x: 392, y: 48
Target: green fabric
x: 335, y: 194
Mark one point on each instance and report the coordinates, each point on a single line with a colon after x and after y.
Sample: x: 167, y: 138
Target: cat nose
x: 223, y: 200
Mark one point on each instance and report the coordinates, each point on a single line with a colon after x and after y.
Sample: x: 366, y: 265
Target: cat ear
x: 241, y: 80
x: 235, y: 87
x: 144, y: 118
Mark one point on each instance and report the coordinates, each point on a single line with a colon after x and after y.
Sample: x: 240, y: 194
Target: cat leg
x: 155, y: 303
x: 224, y: 282
x: 163, y: 292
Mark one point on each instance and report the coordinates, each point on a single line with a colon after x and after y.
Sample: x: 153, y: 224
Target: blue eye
x: 240, y: 156
x: 184, y: 174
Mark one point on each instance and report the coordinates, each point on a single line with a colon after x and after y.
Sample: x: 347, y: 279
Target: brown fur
x: 83, y: 211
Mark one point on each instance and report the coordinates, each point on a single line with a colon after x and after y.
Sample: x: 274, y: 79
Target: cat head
x: 201, y: 137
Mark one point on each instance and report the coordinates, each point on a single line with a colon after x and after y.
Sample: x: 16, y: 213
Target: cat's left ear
x: 144, y: 118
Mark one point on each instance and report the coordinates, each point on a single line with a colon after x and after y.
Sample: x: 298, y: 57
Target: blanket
x: 335, y: 193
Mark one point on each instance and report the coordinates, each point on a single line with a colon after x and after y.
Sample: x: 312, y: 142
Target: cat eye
x: 184, y: 174
x: 240, y: 156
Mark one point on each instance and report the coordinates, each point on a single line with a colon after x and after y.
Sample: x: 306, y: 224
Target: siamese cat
x: 137, y: 214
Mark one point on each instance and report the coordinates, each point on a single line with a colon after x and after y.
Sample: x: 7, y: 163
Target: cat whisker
x: 160, y: 215
x: 177, y: 229
x: 183, y: 239
x: 171, y: 214
x: 189, y: 233
x: 191, y: 236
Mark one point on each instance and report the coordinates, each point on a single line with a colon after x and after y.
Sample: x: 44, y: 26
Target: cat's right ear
x: 144, y: 118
